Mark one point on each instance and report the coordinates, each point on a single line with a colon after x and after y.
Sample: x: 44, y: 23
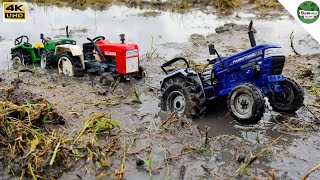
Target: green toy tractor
x: 49, y: 55
x: 24, y: 53
x: 48, y: 52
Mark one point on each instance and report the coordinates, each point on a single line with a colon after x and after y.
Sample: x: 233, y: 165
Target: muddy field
x: 86, y: 131
x: 177, y: 148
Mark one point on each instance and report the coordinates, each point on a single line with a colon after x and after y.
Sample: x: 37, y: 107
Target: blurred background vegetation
x: 175, y: 5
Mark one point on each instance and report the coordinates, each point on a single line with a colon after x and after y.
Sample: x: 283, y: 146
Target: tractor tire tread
x: 259, y: 107
x: 76, y: 63
x: 17, y: 54
x: 196, y: 97
x: 49, y: 59
x: 298, y: 98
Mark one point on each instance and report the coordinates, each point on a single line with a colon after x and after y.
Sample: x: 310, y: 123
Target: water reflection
x: 164, y: 28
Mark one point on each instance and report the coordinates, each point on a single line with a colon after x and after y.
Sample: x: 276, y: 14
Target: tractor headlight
x: 134, y: 52
x: 273, y: 52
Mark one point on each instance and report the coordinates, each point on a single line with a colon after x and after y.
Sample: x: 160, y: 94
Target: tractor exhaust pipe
x: 251, y: 35
x: 122, y: 38
x: 67, y: 31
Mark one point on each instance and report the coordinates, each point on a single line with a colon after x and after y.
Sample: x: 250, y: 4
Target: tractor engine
x: 126, y: 56
x: 118, y: 58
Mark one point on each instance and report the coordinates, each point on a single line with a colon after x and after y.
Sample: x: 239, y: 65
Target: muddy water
x: 164, y: 28
x: 291, y: 158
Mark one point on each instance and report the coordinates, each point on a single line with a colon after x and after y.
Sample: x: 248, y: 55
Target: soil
x: 215, y: 146
x: 229, y: 144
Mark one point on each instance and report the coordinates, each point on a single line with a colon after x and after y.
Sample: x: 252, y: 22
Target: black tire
x: 185, y: 93
x: 17, y: 59
x: 251, y: 100
x: 47, y: 60
x: 76, y: 64
x: 293, y: 97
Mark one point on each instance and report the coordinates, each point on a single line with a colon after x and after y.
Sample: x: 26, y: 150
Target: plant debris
x: 28, y: 147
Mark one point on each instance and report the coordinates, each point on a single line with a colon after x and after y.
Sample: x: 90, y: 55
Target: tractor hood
x: 65, y: 41
x: 261, y: 48
x: 128, y: 46
x: 256, y: 51
x: 51, y: 44
x: 111, y: 49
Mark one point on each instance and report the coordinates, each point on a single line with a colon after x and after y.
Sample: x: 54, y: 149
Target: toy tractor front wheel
x: 46, y: 59
x: 290, y: 99
x: 17, y: 60
x: 246, y: 104
x: 184, y: 96
x: 69, y: 65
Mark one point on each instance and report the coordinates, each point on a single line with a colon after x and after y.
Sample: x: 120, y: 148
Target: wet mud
x: 215, y: 146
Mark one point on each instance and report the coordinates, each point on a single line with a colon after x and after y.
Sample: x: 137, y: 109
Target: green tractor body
x: 24, y: 53
x: 31, y: 53
x: 50, y: 45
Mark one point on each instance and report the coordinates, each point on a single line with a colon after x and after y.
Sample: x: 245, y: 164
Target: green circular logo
x: 308, y: 12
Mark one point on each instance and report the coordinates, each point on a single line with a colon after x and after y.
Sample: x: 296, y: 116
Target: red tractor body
x: 101, y: 56
x: 125, y: 55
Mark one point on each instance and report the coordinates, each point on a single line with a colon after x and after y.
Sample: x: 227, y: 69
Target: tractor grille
x: 88, y: 51
x: 277, y: 65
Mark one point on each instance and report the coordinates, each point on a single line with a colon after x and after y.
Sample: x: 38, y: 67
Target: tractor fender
x: 184, y: 72
x: 75, y: 50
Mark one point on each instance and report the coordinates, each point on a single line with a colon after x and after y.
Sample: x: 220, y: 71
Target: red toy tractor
x: 101, y: 56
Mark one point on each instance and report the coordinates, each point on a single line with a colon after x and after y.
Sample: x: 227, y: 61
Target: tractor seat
x: 38, y: 45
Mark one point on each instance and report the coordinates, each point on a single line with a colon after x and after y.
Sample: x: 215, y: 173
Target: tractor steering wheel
x: 19, y: 40
x: 99, y: 38
x: 45, y: 40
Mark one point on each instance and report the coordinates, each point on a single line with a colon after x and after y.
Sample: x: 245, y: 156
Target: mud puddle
x: 149, y: 32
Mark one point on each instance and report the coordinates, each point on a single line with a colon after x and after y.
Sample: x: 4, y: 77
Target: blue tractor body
x: 246, y: 78
x: 252, y: 66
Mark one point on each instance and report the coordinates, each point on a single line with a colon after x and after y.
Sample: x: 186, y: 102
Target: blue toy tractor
x: 245, y: 79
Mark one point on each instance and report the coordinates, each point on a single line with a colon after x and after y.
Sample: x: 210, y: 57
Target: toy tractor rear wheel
x: 17, y: 60
x: 69, y: 65
x: 291, y: 98
x: 184, y: 96
x: 46, y: 59
x: 246, y: 104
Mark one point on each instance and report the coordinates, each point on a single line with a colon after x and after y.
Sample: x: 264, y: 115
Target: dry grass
x: 81, y: 4
x: 267, y: 4
x: 29, y: 148
x: 180, y: 6
x: 183, y: 5
x: 228, y: 4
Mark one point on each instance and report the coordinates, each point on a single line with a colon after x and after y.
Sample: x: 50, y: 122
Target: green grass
x: 148, y: 162
x: 315, y: 87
